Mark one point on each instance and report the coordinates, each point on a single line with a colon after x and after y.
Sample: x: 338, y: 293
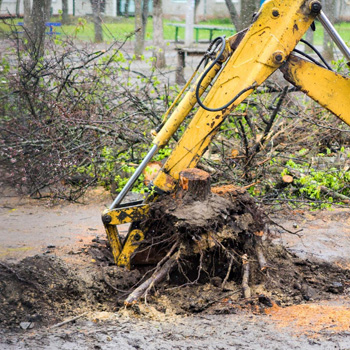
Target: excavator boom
x: 245, y: 61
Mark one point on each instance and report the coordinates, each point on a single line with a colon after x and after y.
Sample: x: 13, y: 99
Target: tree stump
x: 194, y: 183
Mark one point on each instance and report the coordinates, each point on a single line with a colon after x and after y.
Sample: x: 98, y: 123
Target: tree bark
x: 233, y: 14
x: 17, y: 7
x: 141, y: 16
x: 248, y: 8
x: 126, y: 8
x: 145, y: 10
x: 139, y: 41
x: 96, y: 9
x: 195, y: 183
x: 35, y: 17
x: 328, y: 46
x: 189, y: 23
x: 158, y: 39
x: 196, y: 4
x: 64, y: 11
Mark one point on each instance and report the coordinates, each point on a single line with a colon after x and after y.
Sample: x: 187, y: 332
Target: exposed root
x: 259, y: 253
x: 158, y: 275
x: 245, y: 279
x: 228, y: 273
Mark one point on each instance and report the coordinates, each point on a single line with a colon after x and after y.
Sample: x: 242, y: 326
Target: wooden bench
x: 182, y: 52
x: 50, y: 25
x: 198, y: 27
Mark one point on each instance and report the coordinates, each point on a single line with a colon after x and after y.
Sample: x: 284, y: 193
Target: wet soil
x: 301, y: 302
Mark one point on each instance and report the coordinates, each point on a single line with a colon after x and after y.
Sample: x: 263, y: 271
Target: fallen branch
x: 68, y: 321
x: 157, y: 277
x: 334, y: 194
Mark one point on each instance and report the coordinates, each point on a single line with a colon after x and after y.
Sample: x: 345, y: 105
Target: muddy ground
x: 55, y: 266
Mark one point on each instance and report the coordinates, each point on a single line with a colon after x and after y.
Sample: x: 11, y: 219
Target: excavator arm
x: 244, y: 62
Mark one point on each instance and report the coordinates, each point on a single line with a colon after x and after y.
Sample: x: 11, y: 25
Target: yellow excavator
x: 236, y: 67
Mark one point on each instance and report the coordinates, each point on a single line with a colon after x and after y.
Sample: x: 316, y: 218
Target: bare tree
x: 196, y: 4
x: 17, y: 7
x: 64, y: 11
x: 35, y: 17
x: 248, y: 8
x: 96, y: 10
x: 189, y: 22
x: 158, y: 39
x: 233, y: 14
x: 141, y: 16
x: 329, y: 7
x: 126, y: 8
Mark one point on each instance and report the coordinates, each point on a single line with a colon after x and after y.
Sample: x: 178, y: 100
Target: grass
x: 119, y: 28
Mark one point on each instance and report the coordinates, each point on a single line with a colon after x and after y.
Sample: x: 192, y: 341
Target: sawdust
x: 312, y: 319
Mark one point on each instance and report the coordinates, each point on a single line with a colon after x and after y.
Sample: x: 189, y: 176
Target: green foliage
x: 317, y: 184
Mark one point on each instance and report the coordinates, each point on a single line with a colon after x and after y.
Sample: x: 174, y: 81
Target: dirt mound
x: 209, y: 244
x: 44, y: 290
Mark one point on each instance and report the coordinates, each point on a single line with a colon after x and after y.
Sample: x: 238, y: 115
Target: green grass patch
x: 119, y: 28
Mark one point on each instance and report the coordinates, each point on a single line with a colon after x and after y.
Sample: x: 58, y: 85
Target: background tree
x: 244, y: 20
x: 35, y: 17
x: 248, y: 8
x: 141, y: 16
x: 96, y: 12
x: 189, y: 22
x: 329, y: 8
x: 233, y: 14
x: 17, y: 7
x: 196, y: 4
x: 126, y: 8
x: 64, y: 11
x: 158, y: 38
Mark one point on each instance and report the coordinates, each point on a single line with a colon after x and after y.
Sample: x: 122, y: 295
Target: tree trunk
x: 96, y: 9
x: 248, y: 8
x: 18, y: 2
x: 189, y: 23
x: 26, y: 10
x: 141, y: 16
x: 233, y: 14
x: 126, y: 8
x: 158, y: 39
x: 119, y: 8
x: 139, y: 41
x: 64, y: 11
x: 34, y: 25
x: 145, y: 10
x: 328, y: 46
x: 196, y: 4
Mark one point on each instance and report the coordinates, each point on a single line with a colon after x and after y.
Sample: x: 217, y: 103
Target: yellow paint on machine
x: 277, y: 29
x: 329, y: 89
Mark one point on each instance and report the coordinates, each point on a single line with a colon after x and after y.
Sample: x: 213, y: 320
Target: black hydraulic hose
x: 251, y: 87
x: 317, y: 53
x: 308, y: 57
